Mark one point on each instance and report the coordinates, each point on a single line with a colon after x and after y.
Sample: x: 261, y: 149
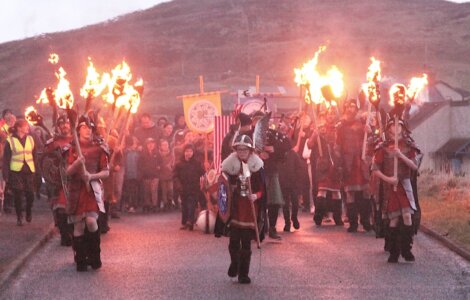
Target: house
x: 441, y: 128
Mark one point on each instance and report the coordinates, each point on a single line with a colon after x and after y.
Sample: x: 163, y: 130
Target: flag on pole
x: 221, y: 128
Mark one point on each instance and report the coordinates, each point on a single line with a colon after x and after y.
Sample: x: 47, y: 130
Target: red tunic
x: 350, y: 135
x: 242, y: 215
x: 395, y: 202
x: 82, y: 200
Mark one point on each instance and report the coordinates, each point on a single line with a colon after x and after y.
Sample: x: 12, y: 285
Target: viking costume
x: 244, y: 178
x: 349, y: 138
x: 328, y: 175
x: 53, y: 167
x: 18, y: 170
x: 400, y: 202
x: 85, y: 201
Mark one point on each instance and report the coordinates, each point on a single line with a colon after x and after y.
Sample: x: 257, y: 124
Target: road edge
x: 13, y: 268
x: 451, y: 245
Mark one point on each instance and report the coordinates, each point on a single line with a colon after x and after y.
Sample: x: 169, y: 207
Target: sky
x: 20, y: 19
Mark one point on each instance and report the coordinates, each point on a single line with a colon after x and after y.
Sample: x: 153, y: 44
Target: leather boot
x: 364, y: 212
x: 394, y: 245
x: 286, y: 213
x: 406, y: 242
x: 234, y: 260
x: 80, y: 250
x: 103, y: 219
x: 244, y: 268
x: 338, y: 212
x: 64, y: 229
x: 319, y: 210
x: 94, y: 250
x: 273, y: 233
x: 352, y: 216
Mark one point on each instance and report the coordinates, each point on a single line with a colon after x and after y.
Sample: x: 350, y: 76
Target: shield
x: 224, y: 198
x: 50, y: 164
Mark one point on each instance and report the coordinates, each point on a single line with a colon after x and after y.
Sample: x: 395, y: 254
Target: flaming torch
x: 134, y: 94
x: 319, y: 88
x: 118, y: 87
x: 93, y: 85
x: 372, y: 90
x: 397, y: 99
x: 416, y: 85
x: 35, y: 119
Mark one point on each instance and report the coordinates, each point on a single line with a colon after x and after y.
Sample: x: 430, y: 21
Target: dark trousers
x: 273, y: 211
x: 18, y: 195
x: 290, y: 199
x: 188, y: 207
x: 362, y: 207
x: 240, y: 238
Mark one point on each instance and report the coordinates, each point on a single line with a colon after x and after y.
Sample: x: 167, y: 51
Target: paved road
x: 147, y: 257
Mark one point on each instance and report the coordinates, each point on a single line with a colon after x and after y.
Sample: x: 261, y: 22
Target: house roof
x: 456, y: 146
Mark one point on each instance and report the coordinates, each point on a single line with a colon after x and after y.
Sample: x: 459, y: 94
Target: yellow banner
x: 200, y: 110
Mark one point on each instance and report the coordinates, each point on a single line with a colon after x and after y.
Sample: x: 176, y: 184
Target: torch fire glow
x: 30, y: 115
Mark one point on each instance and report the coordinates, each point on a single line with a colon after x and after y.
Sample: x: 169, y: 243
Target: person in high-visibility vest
x: 18, y: 168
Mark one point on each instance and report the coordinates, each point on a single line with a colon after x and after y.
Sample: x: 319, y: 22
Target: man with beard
x: 55, y: 192
x: 349, y: 138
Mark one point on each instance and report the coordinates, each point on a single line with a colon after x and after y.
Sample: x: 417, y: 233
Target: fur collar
x: 231, y: 165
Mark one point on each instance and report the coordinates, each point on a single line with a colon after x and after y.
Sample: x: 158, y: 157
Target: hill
x: 230, y: 41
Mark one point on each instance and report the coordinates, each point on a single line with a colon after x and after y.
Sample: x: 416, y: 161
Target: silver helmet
x: 242, y: 140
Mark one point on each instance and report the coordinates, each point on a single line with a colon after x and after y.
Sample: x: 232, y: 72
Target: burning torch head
x: 397, y: 94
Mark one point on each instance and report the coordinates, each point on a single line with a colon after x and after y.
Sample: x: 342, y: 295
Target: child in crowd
x: 166, y: 174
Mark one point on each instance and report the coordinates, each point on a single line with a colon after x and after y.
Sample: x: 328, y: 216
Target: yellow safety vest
x: 20, y: 154
x: 5, y: 128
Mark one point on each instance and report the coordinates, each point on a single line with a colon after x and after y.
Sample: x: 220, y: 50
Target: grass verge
x: 445, y: 205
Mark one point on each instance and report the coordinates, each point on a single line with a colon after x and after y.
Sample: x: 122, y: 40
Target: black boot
x: 273, y: 233
x: 234, y: 260
x: 364, y: 207
x: 386, y: 239
x: 407, y: 242
x: 80, y: 250
x: 286, y: 213
x: 394, y: 245
x: 352, y: 216
x: 338, y: 212
x: 103, y: 220
x: 319, y: 210
x: 64, y: 229
x: 244, y: 268
x: 94, y: 250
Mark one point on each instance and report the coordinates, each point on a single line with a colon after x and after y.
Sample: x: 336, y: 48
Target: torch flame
x: 63, y: 94
x: 30, y: 115
x: 309, y: 75
x: 93, y: 86
x: 374, y: 75
x: 53, y: 58
x: 416, y: 85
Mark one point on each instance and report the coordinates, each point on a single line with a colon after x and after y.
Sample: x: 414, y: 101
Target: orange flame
x: 309, y: 75
x: 415, y: 87
x: 29, y: 114
x: 121, y: 75
x: 397, y: 92
x: 63, y: 94
x: 374, y: 74
x: 53, y: 58
x: 93, y: 86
